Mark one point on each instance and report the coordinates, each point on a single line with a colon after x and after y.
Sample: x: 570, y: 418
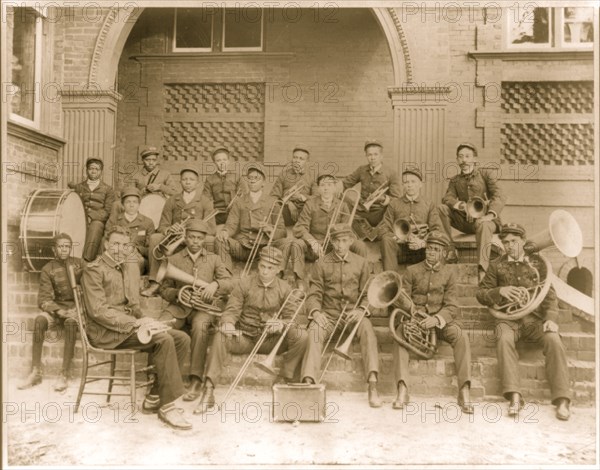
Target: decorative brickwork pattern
x: 548, y: 144
x: 215, y: 98
x: 548, y: 97
x: 194, y: 141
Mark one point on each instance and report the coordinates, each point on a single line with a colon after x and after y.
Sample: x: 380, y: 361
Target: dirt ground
x: 43, y: 430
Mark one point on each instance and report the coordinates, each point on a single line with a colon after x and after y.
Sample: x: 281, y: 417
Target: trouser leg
x: 389, y: 253
x: 201, y: 322
x: 294, y: 346
x: 507, y: 334
x: 293, y: 255
x: 40, y: 327
x: 400, y: 359
x: 153, y: 241
x: 316, y: 338
x: 452, y: 333
x: 70, y: 329
x: 368, y: 347
x: 95, y: 231
x: 221, y: 345
x: 483, y: 237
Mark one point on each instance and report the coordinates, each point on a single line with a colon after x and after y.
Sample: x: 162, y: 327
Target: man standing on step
x: 470, y: 183
x: 417, y: 211
x: 431, y: 285
x: 211, y: 273
x: 502, y: 283
x: 375, y: 177
x: 253, y: 303
x: 55, y: 299
x: 338, y: 281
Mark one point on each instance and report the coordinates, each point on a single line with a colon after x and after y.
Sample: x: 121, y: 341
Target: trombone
x: 375, y: 195
x: 237, y: 195
x: 337, y: 213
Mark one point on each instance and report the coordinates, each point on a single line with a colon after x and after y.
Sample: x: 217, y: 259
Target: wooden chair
x: 113, y: 378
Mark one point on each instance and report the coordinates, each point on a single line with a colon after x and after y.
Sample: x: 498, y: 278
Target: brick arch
x: 119, y: 23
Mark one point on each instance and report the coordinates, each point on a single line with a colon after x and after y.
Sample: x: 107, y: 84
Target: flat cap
x: 255, y: 166
x: 324, y: 177
x: 149, y: 150
x: 272, y: 255
x: 413, y: 170
x: 467, y: 145
x: 437, y: 238
x: 190, y: 169
x: 130, y: 191
x: 220, y: 149
x: 339, y: 230
x: 97, y: 161
x: 196, y: 225
x: 62, y: 236
x: 371, y: 142
x: 515, y: 229
x: 301, y: 148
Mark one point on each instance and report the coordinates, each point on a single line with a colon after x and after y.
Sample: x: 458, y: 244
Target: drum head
x: 152, y: 206
x: 71, y: 219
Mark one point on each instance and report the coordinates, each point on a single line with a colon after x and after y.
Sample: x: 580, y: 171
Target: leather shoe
x: 374, y: 400
x: 34, y: 378
x: 173, y: 416
x: 452, y: 256
x: 516, y: 403
x: 207, y: 402
x: 151, y: 290
x: 401, y: 398
x: 562, y: 409
x: 194, y: 391
x: 308, y: 380
x: 464, y: 401
x: 151, y: 404
x: 61, y: 383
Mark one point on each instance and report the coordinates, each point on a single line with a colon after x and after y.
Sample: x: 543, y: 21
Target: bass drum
x: 47, y: 213
x: 151, y: 206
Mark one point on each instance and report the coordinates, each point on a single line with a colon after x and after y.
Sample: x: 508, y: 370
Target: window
x: 26, y: 65
x: 543, y: 27
x: 225, y: 29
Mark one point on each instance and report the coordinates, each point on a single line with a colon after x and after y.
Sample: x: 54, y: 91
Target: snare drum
x: 151, y: 206
x: 47, y: 213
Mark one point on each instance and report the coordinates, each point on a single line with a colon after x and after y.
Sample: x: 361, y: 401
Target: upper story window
x: 544, y: 27
x: 210, y: 30
x: 26, y: 66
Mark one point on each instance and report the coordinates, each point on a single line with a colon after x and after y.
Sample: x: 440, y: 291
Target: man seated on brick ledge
x: 55, y: 298
x: 514, y: 270
x: 431, y: 285
x: 113, y: 320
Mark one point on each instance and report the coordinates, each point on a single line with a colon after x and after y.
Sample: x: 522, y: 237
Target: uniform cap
x: 301, y: 148
x: 338, y: 230
x: 371, y: 142
x: 272, y: 255
x: 196, y: 225
x: 130, y: 191
x: 255, y: 166
x: 323, y: 177
x: 189, y: 168
x: 515, y: 229
x: 413, y: 170
x: 437, y: 238
x: 89, y: 161
x: 149, y: 150
x: 467, y: 145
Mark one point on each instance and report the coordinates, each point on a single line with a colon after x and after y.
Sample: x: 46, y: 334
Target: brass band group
x: 279, y: 303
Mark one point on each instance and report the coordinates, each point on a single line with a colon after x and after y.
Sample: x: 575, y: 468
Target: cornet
x: 147, y: 330
x: 375, y: 195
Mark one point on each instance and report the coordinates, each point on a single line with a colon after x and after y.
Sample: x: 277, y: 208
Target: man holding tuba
x: 503, y: 284
x: 406, y: 223
x: 469, y: 184
x: 339, y: 279
x: 206, y: 269
x: 431, y: 285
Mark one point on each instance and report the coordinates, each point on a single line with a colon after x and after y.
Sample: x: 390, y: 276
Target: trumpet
x: 477, y: 207
x: 375, y: 195
x: 338, y: 213
x: 147, y: 330
x: 404, y: 229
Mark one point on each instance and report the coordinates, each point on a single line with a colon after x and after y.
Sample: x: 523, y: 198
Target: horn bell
x: 563, y: 232
x: 168, y: 271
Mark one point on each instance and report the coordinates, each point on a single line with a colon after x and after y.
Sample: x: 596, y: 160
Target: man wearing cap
x: 419, y: 212
x: 246, y: 218
x: 252, y: 306
x: 431, y: 284
x: 316, y: 217
x: 335, y: 286
x: 189, y: 203
x: 514, y: 270
x: 472, y: 182
x: 55, y: 299
x: 140, y: 226
x: 372, y: 177
x: 152, y: 179
x: 214, y: 277
x: 295, y: 175
x: 98, y: 199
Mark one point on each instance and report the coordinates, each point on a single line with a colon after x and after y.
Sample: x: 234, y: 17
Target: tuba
x: 563, y: 232
x: 386, y: 291
x: 195, y: 285
x: 405, y: 228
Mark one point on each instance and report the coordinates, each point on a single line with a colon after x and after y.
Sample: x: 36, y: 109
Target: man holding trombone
x: 337, y: 295
x: 257, y: 305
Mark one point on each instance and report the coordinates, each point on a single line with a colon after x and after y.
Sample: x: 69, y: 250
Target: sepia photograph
x: 300, y: 234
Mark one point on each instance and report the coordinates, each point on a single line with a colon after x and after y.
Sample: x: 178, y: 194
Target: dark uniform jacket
x: 208, y: 268
x: 176, y: 210
x: 315, y: 218
x: 140, y: 228
x: 110, y: 315
x: 251, y: 304
x: 245, y: 218
x: 422, y: 210
x: 479, y: 183
x: 143, y: 178
x: 221, y: 189
x: 504, y: 272
x: 369, y: 182
x: 55, y: 292
x: 288, y: 178
x: 335, y: 282
x: 98, y: 203
x: 432, y: 289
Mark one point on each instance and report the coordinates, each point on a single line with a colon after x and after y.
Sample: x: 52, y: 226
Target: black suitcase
x: 299, y: 402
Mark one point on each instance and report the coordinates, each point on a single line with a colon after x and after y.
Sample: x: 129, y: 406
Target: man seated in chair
x: 113, y: 321
x: 338, y: 280
x: 502, y: 283
x: 253, y: 303
x: 55, y: 299
x: 431, y: 285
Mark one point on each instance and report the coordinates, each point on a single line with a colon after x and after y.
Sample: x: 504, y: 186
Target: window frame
x: 509, y: 19
x: 194, y: 49
x: 560, y: 32
x: 242, y: 49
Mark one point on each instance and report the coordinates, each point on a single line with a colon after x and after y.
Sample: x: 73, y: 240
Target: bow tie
x: 436, y: 267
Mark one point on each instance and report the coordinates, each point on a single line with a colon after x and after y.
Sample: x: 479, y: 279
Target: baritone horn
x: 386, y: 291
x: 564, y: 233
x: 405, y: 228
x: 477, y: 207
